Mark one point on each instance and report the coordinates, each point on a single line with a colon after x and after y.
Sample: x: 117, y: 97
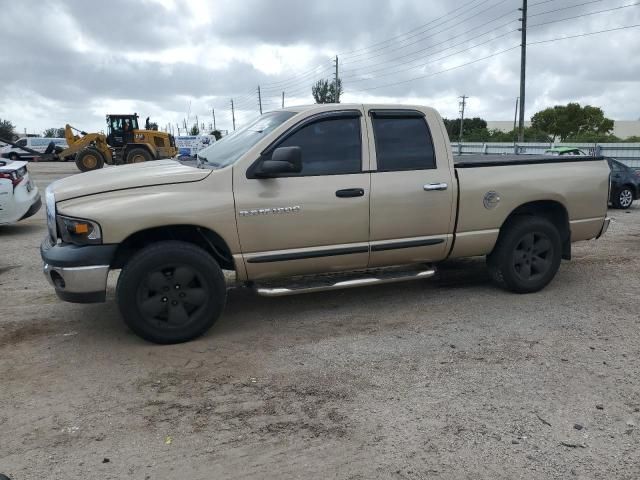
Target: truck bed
x: 480, y: 160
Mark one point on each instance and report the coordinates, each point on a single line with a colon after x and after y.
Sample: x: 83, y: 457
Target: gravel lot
x: 446, y: 378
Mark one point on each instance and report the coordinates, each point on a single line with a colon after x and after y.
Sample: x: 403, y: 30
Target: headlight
x: 79, y: 230
x: 50, y: 202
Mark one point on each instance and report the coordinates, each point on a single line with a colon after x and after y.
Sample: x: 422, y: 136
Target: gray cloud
x: 66, y: 60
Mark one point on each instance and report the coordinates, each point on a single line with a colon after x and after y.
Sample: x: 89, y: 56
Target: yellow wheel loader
x: 123, y: 143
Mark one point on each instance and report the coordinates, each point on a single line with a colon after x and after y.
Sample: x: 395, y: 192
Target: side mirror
x: 283, y: 160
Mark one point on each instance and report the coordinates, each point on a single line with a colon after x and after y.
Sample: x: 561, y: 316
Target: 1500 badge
x: 269, y: 211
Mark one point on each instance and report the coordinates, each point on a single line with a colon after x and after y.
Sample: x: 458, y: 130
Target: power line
x: 540, y: 3
x: 585, y: 15
x: 422, y: 50
x: 442, y: 50
x: 500, y: 52
x: 389, y: 49
x: 409, y: 31
x: 393, y: 72
x: 564, y: 8
x: 585, y: 34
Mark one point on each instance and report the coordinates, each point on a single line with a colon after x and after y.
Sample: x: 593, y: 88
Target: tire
x: 89, y: 159
x: 622, y: 198
x: 527, y: 255
x: 14, y: 156
x: 154, y: 301
x: 137, y: 155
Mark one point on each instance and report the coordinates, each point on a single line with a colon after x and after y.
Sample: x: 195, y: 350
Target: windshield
x: 229, y: 149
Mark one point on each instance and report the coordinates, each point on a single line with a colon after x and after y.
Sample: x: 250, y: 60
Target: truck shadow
x: 247, y: 310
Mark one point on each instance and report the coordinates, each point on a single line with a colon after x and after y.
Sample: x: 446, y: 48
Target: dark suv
x: 625, y: 184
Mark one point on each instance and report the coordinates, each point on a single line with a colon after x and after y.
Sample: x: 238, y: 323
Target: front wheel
x: 89, y: 159
x: 622, y: 198
x: 527, y: 255
x: 171, y: 292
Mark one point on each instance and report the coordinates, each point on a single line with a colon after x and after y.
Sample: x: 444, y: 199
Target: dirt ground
x: 445, y: 378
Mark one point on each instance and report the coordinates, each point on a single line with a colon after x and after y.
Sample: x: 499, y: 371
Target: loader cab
x: 120, y: 129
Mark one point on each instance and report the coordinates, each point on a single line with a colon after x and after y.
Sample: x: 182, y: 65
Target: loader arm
x: 79, y: 142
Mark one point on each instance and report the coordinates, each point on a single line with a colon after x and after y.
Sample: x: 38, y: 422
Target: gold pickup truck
x: 313, y: 198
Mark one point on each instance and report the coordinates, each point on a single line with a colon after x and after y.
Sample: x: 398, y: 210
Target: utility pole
x: 259, y: 100
x: 515, y: 117
x: 523, y: 67
x: 233, y: 115
x: 463, y: 103
x: 283, y: 99
x: 337, y: 83
x: 213, y: 113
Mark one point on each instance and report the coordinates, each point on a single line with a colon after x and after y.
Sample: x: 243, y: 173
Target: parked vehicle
x: 19, y: 197
x: 625, y: 184
x: 313, y: 198
x: 564, y: 151
x: 39, y: 144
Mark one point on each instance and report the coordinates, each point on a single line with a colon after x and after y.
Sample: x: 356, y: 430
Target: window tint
x: 22, y: 142
x: 329, y: 147
x: 403, y: 144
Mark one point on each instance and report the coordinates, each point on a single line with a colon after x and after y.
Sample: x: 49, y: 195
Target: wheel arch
x: 552, y: 210
x: 149, y: 148
x: 202, y: 237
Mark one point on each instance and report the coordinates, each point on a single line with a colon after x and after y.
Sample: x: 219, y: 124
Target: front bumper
x: 77, y: 273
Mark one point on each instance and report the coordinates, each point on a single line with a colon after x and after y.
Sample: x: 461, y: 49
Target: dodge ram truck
x: 313, y: 198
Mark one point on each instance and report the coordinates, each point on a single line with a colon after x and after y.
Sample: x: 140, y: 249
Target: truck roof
x: 347, y: 106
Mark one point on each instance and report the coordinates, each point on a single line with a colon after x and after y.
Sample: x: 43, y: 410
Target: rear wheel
x: 622, y: 198
x: 171, y: 292
x: 527, y: 255
x: 137, y: 155
x: 89, y: 159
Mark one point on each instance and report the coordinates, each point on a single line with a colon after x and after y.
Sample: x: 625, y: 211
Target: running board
x: 321, y: 283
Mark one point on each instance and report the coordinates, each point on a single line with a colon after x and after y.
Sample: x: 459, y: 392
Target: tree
x: 6, y: 129
x: 194, y: 130
x: 53, y: 133
x: 216, y: 133
x: 572, y: 120
x: 475, y: 129
x: 324, y: 91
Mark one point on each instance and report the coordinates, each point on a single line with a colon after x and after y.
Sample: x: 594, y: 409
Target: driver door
x: 316, y: 220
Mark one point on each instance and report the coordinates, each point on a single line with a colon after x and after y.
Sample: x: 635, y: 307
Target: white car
x: 39, y: 144
x: 19, y: 197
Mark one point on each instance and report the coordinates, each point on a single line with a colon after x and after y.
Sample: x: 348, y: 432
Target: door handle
x: 431, y: 187
x: 350, y: 192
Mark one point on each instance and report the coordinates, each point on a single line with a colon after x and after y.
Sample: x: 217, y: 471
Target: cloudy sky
x: 73, y: 61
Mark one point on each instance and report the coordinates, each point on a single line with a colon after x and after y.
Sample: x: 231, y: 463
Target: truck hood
x: 156, y: 172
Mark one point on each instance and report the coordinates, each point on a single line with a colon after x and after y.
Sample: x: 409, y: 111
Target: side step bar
x: 321, y: 283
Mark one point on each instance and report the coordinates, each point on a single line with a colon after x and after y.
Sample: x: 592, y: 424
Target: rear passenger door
x: 412, y: 188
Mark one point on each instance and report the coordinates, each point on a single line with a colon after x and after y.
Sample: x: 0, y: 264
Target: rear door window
x: 402, y: 143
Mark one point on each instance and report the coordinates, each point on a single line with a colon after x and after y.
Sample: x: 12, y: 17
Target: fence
x: 627, y: 153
